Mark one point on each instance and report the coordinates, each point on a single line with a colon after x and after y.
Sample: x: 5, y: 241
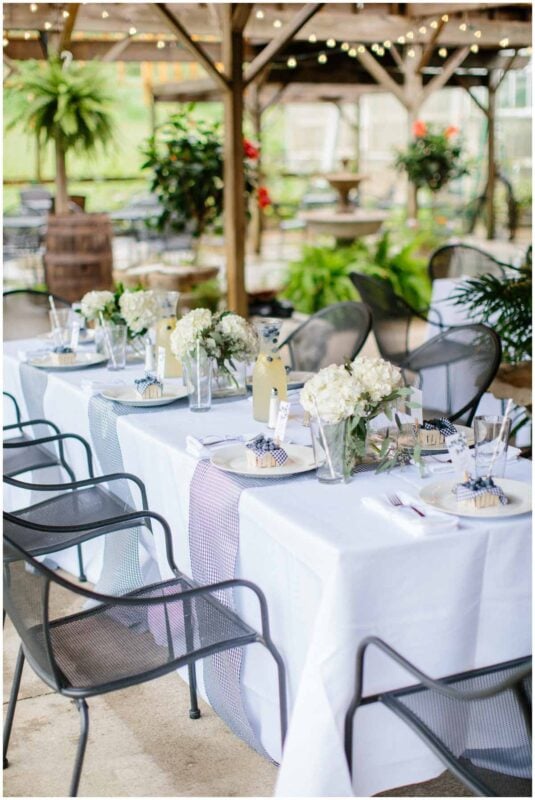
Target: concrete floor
x: 141, y: 744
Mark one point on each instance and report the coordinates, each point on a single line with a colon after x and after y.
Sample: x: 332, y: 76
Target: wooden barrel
x: 78, y: 255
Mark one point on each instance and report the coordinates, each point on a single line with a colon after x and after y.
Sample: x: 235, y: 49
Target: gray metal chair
x: 471, y: 355
x: 392, y: 316
x: 457, y: 260
x: 121, y: 640
x: 26, y: 313
x: 331, y: 336
x: 477, y: 723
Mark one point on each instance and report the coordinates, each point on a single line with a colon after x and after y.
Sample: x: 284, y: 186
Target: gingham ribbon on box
x: 262, y: 446
x: 214, y: 538
x: 443, y: 425
x: 478, y: 487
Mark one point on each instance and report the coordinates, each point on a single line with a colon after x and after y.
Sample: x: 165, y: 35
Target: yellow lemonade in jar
x: 164, y: 328
x: 269, y: 372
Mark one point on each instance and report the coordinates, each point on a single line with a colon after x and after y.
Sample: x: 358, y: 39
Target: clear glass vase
x: 229, y: 379
x: 329, y: 443
x: 198, y: 379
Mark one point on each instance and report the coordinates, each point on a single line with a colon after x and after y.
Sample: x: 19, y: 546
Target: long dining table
x: 333, y: 572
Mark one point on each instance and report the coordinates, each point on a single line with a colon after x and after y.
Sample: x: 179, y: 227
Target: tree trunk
x: 62, y: 196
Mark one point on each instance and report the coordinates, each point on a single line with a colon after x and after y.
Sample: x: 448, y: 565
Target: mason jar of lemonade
x: 268, y: 371
x: 165, y: 325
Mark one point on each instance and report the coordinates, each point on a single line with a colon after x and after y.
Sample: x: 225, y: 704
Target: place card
x: 282, y: 421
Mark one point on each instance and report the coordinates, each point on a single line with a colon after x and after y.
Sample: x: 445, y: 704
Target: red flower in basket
x: 264, y: 200
x: 249, y: 150
x: 419, y: 129
x: 451, y: 130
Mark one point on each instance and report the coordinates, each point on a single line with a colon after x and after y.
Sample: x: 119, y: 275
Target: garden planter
x: 78, y: 255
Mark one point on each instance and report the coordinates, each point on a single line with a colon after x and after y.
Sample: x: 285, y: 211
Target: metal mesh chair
x: 471, y: 355
x: 331, y: 336
x: 26, y: 313
x: 122, y: 640
x: 391, y: 316
x: 478, y: 723
x: 457, y: 260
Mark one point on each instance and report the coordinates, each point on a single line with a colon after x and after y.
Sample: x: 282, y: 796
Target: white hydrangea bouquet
x: 225, y: 337
x: 136, y: 308
x: 353, y: 395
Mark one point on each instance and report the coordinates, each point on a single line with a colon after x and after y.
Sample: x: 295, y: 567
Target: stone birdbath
x: 343, y: 182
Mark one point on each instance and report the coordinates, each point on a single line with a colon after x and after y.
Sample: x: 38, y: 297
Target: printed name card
x: 282, y: 421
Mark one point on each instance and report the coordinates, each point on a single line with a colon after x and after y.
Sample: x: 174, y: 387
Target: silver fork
x: 394, y: 500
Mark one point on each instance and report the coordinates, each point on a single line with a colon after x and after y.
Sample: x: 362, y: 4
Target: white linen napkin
x: 433, y: 522
x: 201, y: 446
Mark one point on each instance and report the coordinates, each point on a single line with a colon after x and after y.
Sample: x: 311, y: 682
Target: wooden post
x: 413, y: 85
x: 491, y: 160
x: 257, y: 216
x: 234, y: 183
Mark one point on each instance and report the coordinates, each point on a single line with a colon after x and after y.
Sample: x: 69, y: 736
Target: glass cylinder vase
x: 197, y: 373
x: 229, y: 379
x: 329, y: 443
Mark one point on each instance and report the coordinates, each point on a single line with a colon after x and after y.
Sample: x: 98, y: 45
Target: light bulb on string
x: 33, y: 7
x: 361, y: 48
x: 160, y: 44
x: 375, y: 47
x: 463, y: 26
x: 322, y: 58
x: 27, y: 35
x: 504, y: 42
x: 433, y: 24
x: 443, y: 52
x: 292, y: 63
x: 312, y: 38
x: 352, y: 53
x: 411, y: 53
x: 259, y: 14
x: 277, y: 23
x: 474, y: 48
x: 380, y: 51
x: 65, y: 14
x: 331, y: 42
x: 132, y: 31
x: 48, y: 25
x: 409, y: 35
x: 444, y: 17
x: 422, y: 29
x: 345, y: 46
x: 5, y: 42
x: 477, y: 34
x: 105, y: 15
x: 401, y: 40
x: 387, y: 44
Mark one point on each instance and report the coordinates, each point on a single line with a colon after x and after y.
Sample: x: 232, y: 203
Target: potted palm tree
x: 69, y: 105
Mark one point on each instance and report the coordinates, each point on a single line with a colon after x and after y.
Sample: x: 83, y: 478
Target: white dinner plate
x: 440, y: 495
x: 128, y: 396
x: 295, y: 379
x: 233, y: 458
x: 407, y: 441
x: 83, y: 361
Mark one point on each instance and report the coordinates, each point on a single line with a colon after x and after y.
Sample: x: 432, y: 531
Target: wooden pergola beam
x: 279, y: 42
x: 240, y: 15
x: 430, y: 46
x: 183, y: 36
x: 68, y: 27
x: 440, y: 80
x: 379, y: 73
x: 116, y: 49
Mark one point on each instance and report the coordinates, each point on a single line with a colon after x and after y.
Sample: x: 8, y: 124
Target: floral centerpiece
x: 225, y: 337
x: 346, y: 398
x: 135, y: 308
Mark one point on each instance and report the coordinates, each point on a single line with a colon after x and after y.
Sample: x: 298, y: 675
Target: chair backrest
x: 331, y: 336
x: 391, y: 316
x: 36, y: 198
x: 456, y: 260
x: 26, y: 313
x: 472, y: 355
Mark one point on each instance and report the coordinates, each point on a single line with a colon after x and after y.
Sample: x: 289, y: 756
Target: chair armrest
x: 16, y: 405
x: 30, y: 423
x: 92, y: 481
x: 59, y: 438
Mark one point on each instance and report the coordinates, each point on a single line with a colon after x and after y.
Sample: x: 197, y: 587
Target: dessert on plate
x: 434, y: 431
x: 149, y: 387
x: 262, y: 451
x: 476, y: 493
x: 63, y: 355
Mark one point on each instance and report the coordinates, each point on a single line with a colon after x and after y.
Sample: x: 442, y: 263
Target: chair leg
x: 283, y: 703
x: 15, y: 686
x: 194, y: 710
x: 82, y: 577
x: 82, y: 742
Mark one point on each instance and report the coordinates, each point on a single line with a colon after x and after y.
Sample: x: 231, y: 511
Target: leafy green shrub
x: 321, y: 276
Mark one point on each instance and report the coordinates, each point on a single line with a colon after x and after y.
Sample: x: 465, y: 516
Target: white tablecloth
x: 333, y: 572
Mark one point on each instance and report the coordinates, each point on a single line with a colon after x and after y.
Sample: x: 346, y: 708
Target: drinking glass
x: 491, y: 436
x: 329, y: 444
x: 60, y: 325
x: 198, y: 379
x: 115, y: 344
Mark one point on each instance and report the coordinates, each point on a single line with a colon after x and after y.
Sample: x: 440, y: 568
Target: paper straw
x: 56, y: 333
x: 198, y: 373
x: 324, y: 439
x: 498, y: 446
x: 108, y: 340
